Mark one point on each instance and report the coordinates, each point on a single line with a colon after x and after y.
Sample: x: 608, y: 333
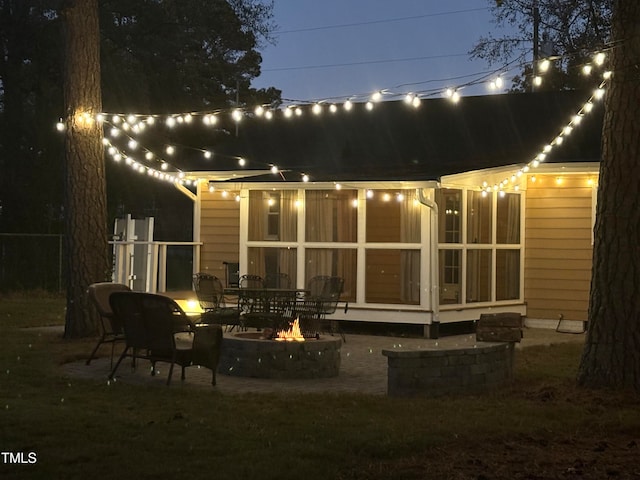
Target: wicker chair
x: 158, y: 330
x: 110, y: 328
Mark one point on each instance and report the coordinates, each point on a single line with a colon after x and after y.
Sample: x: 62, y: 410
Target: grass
x: 85, y: 428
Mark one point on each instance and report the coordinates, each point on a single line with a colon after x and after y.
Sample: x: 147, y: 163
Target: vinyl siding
x: 558, y: 250
x: 219, y: 233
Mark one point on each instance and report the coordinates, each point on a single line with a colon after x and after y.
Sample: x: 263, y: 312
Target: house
x: 432, y: 215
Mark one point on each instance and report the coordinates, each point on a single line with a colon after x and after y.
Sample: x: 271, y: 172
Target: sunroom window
x: 273, y: 215
x: 393, y: 217
x: 481, y: 264
x: 331, y: 215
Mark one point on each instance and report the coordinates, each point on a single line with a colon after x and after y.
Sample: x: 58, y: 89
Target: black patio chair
x: 277, y: 280
x: 110, y: 328
x: 210, y: 293
x: 322, y: 299
x: 251, y: 281
x: 157, y: 329
x: 249, y: 300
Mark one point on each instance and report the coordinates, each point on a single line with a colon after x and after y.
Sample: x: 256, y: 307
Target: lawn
x: 542, y: 426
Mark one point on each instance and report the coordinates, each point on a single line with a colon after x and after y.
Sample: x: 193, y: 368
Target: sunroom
x: 409, y: 252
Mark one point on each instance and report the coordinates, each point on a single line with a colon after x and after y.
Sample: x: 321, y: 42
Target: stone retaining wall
x: 454, y: 370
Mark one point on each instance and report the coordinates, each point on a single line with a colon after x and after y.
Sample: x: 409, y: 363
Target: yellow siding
x: 219, y: 233
x: 558, y: 247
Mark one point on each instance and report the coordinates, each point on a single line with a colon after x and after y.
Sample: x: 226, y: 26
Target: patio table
x: 264, y: 307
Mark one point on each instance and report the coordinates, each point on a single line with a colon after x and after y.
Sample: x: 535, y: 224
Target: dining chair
x: 251, y: 281
x: 277, y: 280
x: 322, y: 299
x: 210, y: 293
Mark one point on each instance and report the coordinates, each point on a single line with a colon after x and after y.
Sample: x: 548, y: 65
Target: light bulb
x: 544, y: 65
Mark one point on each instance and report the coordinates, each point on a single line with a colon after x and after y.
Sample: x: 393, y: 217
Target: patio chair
x: 158, y: 330
x: 248, y: 301
x: 210, y: 293
x: 322, y: 300
x: 110, y: 328
x: 277, y: 280
x: 251, y: 281
x: 269, y: 310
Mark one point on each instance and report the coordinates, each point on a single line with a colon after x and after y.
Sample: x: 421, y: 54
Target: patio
x: 363, y: 368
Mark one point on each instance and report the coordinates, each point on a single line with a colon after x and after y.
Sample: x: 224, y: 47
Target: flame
x: 293, y: 334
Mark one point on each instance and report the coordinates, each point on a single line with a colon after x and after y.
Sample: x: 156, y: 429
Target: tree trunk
x: 611, y: 357
x: 85, y: 184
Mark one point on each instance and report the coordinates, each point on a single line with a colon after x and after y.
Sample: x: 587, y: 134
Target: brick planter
x: 454, y: 370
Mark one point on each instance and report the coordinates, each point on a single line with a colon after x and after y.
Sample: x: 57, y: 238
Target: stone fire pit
x: 248, y: 354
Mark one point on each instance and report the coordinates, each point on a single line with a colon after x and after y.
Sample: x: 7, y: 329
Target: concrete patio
x: 363, y: 368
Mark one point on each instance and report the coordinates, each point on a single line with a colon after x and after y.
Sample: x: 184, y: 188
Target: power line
x: 370, y: 62
x: 373, y: 22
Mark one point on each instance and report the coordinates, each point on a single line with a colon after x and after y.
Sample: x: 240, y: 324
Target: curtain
x: 257, y: 215
x: 410, y: 259
x: 319, y: 228
x: 511, y: 258
x: 319, y: 212
x: 288, y: 216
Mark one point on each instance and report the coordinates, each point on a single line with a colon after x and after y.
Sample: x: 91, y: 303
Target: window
x: 393, y: 217
x: 508, y: 215
x: 507, y: 274
x: 331, y: 215
x: 263, y: 261
x: 273, y: 215
x: 392, y: 276
x: 339, y: 262
x: 449, y: 215
x: 482, y: 262
x: 478, y: 276
x: 479, y: 217
x: 450, y: 276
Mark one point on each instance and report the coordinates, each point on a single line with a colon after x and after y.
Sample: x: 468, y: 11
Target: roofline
x: 360, y: 184
x: 495, y: 175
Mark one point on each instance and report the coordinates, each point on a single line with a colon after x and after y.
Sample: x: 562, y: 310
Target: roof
x: 396, y: 141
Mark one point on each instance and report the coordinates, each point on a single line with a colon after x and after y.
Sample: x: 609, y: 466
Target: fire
x: 293, y: 334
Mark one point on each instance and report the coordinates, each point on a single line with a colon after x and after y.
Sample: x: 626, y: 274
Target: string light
x: 558, y: 140
x: 125, y: 125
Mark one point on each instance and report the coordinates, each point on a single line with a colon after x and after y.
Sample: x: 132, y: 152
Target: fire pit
x: 258, y: 355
